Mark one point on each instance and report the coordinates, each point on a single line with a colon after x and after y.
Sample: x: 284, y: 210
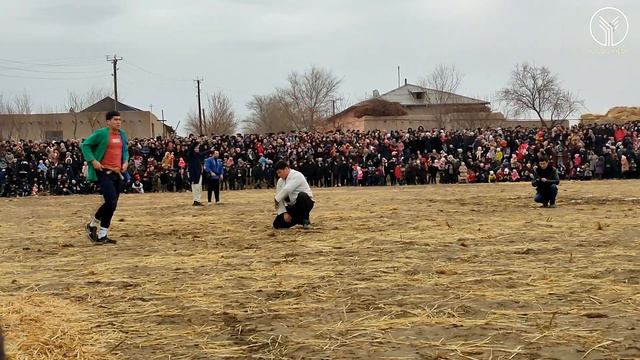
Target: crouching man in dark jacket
x: 546, y: 182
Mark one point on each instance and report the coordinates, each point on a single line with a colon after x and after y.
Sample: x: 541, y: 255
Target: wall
x: 451, y: 121
x: 447, y: 109
x: 345, y: 121
x: 137, y: 124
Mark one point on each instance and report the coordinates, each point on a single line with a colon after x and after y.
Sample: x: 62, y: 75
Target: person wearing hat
x: 546, y: 181
x: 214, y: 168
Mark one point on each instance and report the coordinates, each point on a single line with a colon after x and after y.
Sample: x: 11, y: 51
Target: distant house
x: 80, y: 124
x: 417, y: 97
x: 412, y: 106
x: 107, y: 104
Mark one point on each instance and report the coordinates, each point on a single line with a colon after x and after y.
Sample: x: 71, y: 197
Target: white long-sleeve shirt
x: 287, y: 190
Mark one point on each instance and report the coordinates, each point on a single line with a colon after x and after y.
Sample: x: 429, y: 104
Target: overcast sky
x: 247, y: 47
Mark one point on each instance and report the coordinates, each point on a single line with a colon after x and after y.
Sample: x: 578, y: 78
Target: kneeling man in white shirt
x: 293, y: 200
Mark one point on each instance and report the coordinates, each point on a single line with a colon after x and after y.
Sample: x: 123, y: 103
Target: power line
x: 156, y: 74
x: 46, y: 71
x: 51, y: 62
x: 51, y: 78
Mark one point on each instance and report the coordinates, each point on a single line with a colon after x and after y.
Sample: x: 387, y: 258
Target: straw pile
x: 615, y: 114
x: 439, y: 272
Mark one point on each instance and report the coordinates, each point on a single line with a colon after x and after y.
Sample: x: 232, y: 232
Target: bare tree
x: 537, y: 90
x: 76, y: 102
x: 337, y: 106
x: 93, y: 119
x: 5, y: 124
x: 307, y: 97
x: 267, y: 115
x: 219, y: 116
x: 441, y: 84
x: 445, y: 79
x: 192, y: 123
x: 21, y: 104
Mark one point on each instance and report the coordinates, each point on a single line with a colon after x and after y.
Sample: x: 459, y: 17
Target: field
x: 437, y: 272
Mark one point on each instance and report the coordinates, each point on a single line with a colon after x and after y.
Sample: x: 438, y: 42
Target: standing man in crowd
x: 107, y: 152
x: 2, y: 356
x: 546, y: 182
x: 195, y: 172
x: 214, y: 168
x: 293, y: 200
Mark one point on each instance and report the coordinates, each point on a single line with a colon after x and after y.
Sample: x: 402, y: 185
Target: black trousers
x: 2, y: 356
x: 299, y: 212
x: 213, y: 185
x: 110, y: 186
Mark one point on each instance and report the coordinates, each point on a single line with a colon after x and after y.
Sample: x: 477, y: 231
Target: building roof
x: 372, y: 107
x: 107, y: 104
x: 410, y: 95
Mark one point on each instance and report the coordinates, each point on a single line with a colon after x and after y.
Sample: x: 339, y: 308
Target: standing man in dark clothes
x: 546, y: 182
x: 108, y: 153
x: 195, y: 172
x: 335, y: 172
x: 433, y: 172
x: 344, y: 169
x: 293, y: 200
x: 2, y: 356
x: 258, y: 176
x: 232, y: 176
x: 213, y: 166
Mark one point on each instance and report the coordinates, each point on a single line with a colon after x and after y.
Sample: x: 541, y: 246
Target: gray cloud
x: 247, y: 47
x: 72, y: 14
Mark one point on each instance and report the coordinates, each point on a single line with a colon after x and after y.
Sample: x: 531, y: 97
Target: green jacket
x: 94, y: 147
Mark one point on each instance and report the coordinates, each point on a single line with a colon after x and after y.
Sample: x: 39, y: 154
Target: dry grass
x: 440, y: 272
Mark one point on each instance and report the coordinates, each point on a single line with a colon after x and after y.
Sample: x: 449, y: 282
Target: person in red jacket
x: 397, y: 172
x: 619, y: 134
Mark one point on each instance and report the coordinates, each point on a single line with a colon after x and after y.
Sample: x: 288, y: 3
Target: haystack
x: 615, y: 114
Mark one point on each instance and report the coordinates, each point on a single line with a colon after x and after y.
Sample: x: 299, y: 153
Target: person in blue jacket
x: 215, y: 170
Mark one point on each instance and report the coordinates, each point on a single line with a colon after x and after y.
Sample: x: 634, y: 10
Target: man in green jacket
x: 108, y: 153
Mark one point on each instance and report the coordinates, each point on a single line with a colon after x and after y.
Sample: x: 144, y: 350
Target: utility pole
x: 114, y: 60
x: 204, y: 119
x: 398, y: 75
x: 198, y: 81
x: 163, y: 125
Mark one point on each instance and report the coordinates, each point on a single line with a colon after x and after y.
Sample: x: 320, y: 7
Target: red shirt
x: 113, y: 156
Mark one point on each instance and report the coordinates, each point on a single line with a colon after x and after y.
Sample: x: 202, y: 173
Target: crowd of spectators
x: 341, y: 158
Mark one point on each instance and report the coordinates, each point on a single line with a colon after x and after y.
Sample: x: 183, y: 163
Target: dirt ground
x: 437, y: 272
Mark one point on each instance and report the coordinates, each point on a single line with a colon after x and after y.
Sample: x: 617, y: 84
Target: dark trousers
x: 2, y: 356
x: 546, y: 195
x: 299, y: 212
x: 110, y: 186
x: 213, y: 185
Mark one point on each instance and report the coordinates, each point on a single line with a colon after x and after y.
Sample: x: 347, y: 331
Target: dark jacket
x: 195, y: 164
x: 550, y: 173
